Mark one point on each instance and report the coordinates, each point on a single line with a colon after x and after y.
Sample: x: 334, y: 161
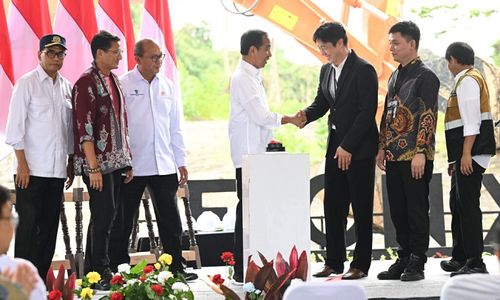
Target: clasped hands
x: 299, y: 119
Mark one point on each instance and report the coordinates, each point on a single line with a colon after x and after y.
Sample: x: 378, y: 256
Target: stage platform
x: 435, y: 278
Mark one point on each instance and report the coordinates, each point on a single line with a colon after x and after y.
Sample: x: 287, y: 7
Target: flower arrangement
x: 228, y: 258
x: 58, y: 289
x: 268, y: 281
x: 145, y: 281
x: 84, y: 286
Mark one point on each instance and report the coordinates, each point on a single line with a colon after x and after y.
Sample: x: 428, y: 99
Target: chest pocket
x: 40, y: 109
x: 165, y: 104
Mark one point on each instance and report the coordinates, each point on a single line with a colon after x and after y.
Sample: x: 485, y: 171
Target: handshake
x: 299, y: 119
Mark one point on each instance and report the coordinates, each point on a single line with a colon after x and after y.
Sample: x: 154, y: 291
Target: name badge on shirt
x: 136, y: 93
x: 392, y: 108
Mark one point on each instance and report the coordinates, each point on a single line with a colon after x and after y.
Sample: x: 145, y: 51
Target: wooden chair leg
x: 184, y: 194
x: 132, y: 246
x: 67, y: 241
x: 149, y: 222
x: 79, y: 255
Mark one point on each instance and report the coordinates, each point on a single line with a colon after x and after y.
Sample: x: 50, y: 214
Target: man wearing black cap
x: 39, y: 129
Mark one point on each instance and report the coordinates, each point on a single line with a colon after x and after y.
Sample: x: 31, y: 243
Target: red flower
x: 55, y: 295
x: 227, y: 257
x: 117, y: 279
x: 217, y: 279
x: 157, y: 289
x: 232, y: 262
x: 142, y: 278
x: 116, y: 296
x: 148, y: 269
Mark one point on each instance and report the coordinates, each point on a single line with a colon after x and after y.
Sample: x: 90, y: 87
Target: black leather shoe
x: 470, y: 270
x: 327, y: 271
x: 451, y: 265
x: 395, y: 270
x: 187, y: 276
x: 238, y: 277
x: 414, y: 270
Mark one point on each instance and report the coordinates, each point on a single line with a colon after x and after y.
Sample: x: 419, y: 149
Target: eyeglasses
x: 157, y: 58
x: 116, y: 52
x: 14, y: 218
x: 53, y: 54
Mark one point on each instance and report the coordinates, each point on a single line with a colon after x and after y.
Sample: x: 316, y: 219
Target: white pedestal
x: 276, y: 214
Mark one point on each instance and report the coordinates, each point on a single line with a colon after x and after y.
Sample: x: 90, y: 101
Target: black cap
x: 50, y: 40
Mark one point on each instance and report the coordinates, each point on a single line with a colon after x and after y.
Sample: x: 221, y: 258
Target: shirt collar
x: 42, y: 75
x: 250, y: 69
x: 138, y: 76
x: 460, y: 74
x: 410, y: 64
x: 341, y: 65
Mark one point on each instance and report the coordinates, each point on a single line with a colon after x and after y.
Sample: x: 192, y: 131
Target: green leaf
x: 137, y: 269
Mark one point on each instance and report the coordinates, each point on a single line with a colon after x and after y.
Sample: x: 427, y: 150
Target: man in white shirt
x: 15, y: 270
x: 39, y: 128
x: 470, y: 144
x: 158, y: 152
x: 250, y: 123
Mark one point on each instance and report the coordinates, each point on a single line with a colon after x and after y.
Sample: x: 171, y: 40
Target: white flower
x: 130, y: 282
x: 249, y: 287
x: 163, y: 276
x: 124, y: 268
x: 180, y: 287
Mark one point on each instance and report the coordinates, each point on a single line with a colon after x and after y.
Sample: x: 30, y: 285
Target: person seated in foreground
x: 17, y: 271
x: 474, y: 286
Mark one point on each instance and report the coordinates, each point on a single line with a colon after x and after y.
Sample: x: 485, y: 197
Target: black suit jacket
x: 353, y: 109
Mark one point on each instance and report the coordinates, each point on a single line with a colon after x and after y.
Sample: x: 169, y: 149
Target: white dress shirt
x: 7, y: 263
x: 154, y: 124
x: 250, y: 121
x: 40, y: 123
x: 469, y: 106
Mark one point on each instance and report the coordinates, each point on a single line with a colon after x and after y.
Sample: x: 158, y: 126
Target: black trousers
x: 103, y: 206
x: 409, y: 204
x: 354, y: 186
x: 466, y: 221
x: 238, y: 226
x: 38, y: 206
x: 163, y: 189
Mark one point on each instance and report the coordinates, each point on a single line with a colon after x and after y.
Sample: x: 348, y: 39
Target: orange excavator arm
x: 300, y: 18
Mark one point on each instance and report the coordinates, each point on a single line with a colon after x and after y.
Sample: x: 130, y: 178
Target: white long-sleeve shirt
x: 250, y: 122
x: 154, y: 124
x: 468, y: 94
x: 8, y: 263
x: 40, y: 123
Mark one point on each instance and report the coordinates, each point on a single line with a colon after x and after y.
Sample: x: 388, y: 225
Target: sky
x: 454, y: 25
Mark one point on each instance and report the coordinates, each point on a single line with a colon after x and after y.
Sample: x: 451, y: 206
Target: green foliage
x: 392, y: 254
x: 496, y: 53
x: 427, y: 11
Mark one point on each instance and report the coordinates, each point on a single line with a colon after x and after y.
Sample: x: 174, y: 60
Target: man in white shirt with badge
x: 40, y: 130
x: 157, y: 146
x: 251, y: 123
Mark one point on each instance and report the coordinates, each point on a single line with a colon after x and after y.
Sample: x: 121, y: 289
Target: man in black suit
x: 348, y: 88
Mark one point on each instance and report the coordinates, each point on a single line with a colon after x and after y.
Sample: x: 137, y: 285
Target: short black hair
x: 4, y: 197
x: 330, y: 32
x: 251, y: 38
x: 408, y: 30
x: 462, y: 52
x: 102, y: 40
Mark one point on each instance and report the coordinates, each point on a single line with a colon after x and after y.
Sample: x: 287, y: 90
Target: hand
x: 301, y: 118
x: 22, y: 175
x: 466, y: 164
x: 380, y: 159
x: 418, y: 166
x: 451, y: 169
x: 22, y: 275
x: 70, y: 174
x: 344, y: 158
x: 96, y: 181
x: 129, y: 175
x: 184, y: 175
